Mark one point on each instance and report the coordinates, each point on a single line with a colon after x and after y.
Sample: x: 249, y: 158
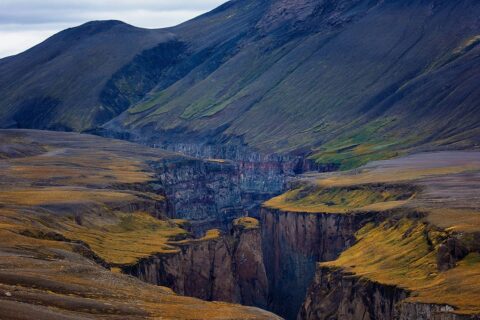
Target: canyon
x: 269, y: 159
x: 171, y: 220
x: 296, y: 236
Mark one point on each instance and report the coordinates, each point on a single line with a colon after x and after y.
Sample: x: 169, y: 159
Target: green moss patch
x: 404, y: 254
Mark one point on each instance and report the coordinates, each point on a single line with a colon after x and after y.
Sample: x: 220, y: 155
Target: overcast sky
x: 24, y: 23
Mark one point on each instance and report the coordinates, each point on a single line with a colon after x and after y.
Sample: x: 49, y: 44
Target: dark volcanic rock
x: 337, y: 295
x: 449, y: 253
x: 294, y: 243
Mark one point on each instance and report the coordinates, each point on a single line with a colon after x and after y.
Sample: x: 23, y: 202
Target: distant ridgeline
x: 342, y: 82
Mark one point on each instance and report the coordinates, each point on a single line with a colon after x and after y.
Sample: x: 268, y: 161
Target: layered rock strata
x: 217, y: 267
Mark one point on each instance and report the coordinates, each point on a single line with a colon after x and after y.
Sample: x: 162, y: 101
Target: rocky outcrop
x: 230, y: 181
x: 334, y: 294
x: 449, y: 253
x: 200, y: 190
x: 224, y: 268
x: 425, y: 311
x: 260, y: 173
x: 294, y: 242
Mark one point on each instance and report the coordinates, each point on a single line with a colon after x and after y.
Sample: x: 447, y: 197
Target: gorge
x: 270, y: 159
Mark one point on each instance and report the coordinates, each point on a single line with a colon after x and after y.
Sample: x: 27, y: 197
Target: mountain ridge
x: 333, y: 80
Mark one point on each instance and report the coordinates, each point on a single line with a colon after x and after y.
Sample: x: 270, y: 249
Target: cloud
x: 24, y: 23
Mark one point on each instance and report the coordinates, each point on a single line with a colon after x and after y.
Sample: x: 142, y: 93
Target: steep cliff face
x: 334, y: 294
x: 230, y: 181
x: 425, y: 311
x: 200, y: 190
x: 217, y: 267
x: 402, y: 268
x: 294, y: 242
x: 74, y: 208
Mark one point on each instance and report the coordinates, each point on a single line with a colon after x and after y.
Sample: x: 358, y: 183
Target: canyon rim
x: 269, y: 159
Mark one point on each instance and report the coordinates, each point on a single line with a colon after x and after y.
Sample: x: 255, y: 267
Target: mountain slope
x: 343, y: 81
x: 58, y: 84
x: 349, y: 65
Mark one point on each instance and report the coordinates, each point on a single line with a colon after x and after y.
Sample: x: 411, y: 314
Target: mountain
x: 63, y: 82
x: 340, y: 81
x: 255, y: 95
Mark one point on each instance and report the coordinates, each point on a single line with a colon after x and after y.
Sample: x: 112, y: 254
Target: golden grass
x: 341, y: 200
x: 444, y: 185
x: 116, y: 237
x: 61, y: 195
x: 247, y: 223
x: 211, y: 235
x: 80, y: 168
x: 368, y: 176
x: 130, y: 238
x: 44, y: 272
x: 82, y: 182
x: 459, y: 287
x: 401, y: 255
x: 458, y: 220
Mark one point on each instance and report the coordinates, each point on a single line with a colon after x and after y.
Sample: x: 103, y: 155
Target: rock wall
x: 423, y: 311
x: 200, y: 190
x: 294, y: 242
x: 336, y: 294
x: 227, y: 268
x: 257, y: 172
x: 231, y: 181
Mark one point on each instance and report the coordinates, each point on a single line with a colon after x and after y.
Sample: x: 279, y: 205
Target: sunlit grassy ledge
x: 342, y: 200
x: 246, y: 223
x: 404, y: 254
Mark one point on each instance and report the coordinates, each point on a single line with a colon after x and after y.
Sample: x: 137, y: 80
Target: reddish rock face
x: 228, y: 268
x: 337, y: 295
x: 250, y: 270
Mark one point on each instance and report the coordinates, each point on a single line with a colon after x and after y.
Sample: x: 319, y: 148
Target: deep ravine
x: 278, y: 259
x: 294, y: 243
x: 273, y: 265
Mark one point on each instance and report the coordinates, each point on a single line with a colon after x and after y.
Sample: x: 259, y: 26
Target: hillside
x: 344, y: 81
x: 351, y: 77
x: 63, y: 83
x: 75, y: 210
x: 304, y: 159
